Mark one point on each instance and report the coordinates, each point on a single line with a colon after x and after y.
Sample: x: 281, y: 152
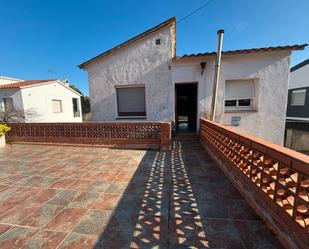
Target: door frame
x: 175, y: 102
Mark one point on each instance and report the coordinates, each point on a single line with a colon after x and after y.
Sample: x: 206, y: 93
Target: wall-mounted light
x: 203, y: 66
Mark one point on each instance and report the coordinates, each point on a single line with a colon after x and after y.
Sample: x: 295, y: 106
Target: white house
x: 143, y: 78
x: 297, y: 121
x: 45, y: 100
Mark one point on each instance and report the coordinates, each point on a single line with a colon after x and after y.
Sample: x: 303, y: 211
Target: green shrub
x: 4, y: 129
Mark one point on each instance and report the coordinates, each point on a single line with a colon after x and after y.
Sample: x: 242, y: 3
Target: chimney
x: 216, y: 75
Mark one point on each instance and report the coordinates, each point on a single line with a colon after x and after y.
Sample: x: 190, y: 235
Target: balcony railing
x: 273, y: 179
x: 136, y: 135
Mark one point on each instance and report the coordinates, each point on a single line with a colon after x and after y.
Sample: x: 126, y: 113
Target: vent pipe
x: 216, y: 76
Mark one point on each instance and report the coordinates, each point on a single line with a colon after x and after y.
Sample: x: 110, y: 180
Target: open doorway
x: 186, y: 107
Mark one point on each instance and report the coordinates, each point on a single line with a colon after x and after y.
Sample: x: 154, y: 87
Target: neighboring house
x: 46, y: 100
x: 143, y: 78
x: 297, y: 121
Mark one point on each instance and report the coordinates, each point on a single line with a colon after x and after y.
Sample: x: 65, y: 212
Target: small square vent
x: 158, y: 41
x: 235, y: 121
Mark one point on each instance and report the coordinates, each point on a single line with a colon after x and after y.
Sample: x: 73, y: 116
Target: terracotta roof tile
x: 24, y: 83
x: 246, y: 51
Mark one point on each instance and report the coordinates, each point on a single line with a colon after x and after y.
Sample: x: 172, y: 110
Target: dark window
x: 76, y: 110
x: 131, y: 101
x: 231, y: 103
x: 158, y: 41
x: 8, y: 104
x: 244, y: 102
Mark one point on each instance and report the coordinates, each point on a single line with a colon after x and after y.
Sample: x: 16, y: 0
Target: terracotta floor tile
x: 79, y: 241
x: 6, y: 206
x: 40, y: 217
x: 66, y: 219
x: 63, y: 197
x: 63, y: 184
x: 3, y: 187
x: 93, y: 222
x: 44, y: 195
x: 17, y: 214
x: 150, y: 195
x: 45, y: 239
x: 85, y: 200
x: 16, y: 237
x: 80, y: 184
x: 116, y: 188
x: 124, y: 176
x: 106, y: 202
x: 256, y: 235
x: 4, y: 228
x: 98, y: 186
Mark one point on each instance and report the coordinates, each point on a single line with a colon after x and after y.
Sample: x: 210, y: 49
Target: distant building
x: 144, y: 79
x: 46, y: 100
x: 297, y: 121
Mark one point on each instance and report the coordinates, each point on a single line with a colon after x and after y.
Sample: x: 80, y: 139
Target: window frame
x: 298, y: 91
x: 61, y: 106
x: 76, y: 114
x: 238, y: 107
x: 133, y: 116
x: 5, y: 104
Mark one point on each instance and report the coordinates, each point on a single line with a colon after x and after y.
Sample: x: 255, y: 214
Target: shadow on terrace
x: 181, y: 199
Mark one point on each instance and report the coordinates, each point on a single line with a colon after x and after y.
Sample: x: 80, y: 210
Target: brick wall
x: 121, y: 135
x: 273, y: 179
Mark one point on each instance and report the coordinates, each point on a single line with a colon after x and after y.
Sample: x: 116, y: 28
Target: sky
x: 47, y: 39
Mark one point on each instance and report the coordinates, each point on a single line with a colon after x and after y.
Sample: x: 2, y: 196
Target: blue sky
x: 38, y: 37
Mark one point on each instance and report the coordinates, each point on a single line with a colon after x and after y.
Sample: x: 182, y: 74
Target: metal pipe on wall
x: 216, y: 75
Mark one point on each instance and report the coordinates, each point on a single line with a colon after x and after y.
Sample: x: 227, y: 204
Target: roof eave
x: 242, y: 52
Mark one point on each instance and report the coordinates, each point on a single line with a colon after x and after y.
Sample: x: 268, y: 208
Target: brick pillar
x: 165, y: 135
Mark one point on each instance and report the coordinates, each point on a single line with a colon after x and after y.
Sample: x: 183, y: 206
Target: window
x: 8, y: 104
x: 57, y: 105
x: 76, y: 110
x: 131, y: 101
x: 239, y: 94
x: 158, y: 41
x: 298, y: 97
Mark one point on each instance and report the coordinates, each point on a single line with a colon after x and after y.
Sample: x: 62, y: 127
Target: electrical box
x: 235, y: 121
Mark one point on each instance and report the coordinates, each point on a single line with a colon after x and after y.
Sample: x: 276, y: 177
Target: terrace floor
x: 72, y: 197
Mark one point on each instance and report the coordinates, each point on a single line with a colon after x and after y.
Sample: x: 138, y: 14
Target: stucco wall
x: 270, y: 72
x: 300, y: 77
x: 39, y: 98
x: 141, y: 63
x: 146, y: 63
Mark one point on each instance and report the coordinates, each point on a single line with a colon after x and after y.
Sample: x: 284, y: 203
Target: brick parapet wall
x: 118, y: 134
x: 273, y: 179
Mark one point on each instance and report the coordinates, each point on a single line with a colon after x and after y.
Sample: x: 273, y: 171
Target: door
x: 186, y: 107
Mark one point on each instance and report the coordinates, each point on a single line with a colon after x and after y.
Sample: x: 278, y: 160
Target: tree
x: 85, y: 101
x: 18, y: 116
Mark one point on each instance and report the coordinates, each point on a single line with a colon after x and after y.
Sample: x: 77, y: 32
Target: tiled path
x: 66, y: 197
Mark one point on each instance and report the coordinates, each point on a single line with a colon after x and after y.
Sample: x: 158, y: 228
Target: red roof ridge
x: 25, y: 83
x: 245, y: 51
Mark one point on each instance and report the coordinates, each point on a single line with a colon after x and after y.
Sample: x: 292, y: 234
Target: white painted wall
x: 141, y: 63
x: 39, y: 99
x: 146, y: 63
x: 270, y: 72
x: 300, y: 77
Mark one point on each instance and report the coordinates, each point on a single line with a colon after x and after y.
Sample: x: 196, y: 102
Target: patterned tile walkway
x: 70, y: 197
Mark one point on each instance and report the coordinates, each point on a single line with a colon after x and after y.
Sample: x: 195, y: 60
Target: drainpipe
x: 216, y: 76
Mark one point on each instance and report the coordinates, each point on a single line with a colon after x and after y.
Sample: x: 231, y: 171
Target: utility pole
x: 217, y: 75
